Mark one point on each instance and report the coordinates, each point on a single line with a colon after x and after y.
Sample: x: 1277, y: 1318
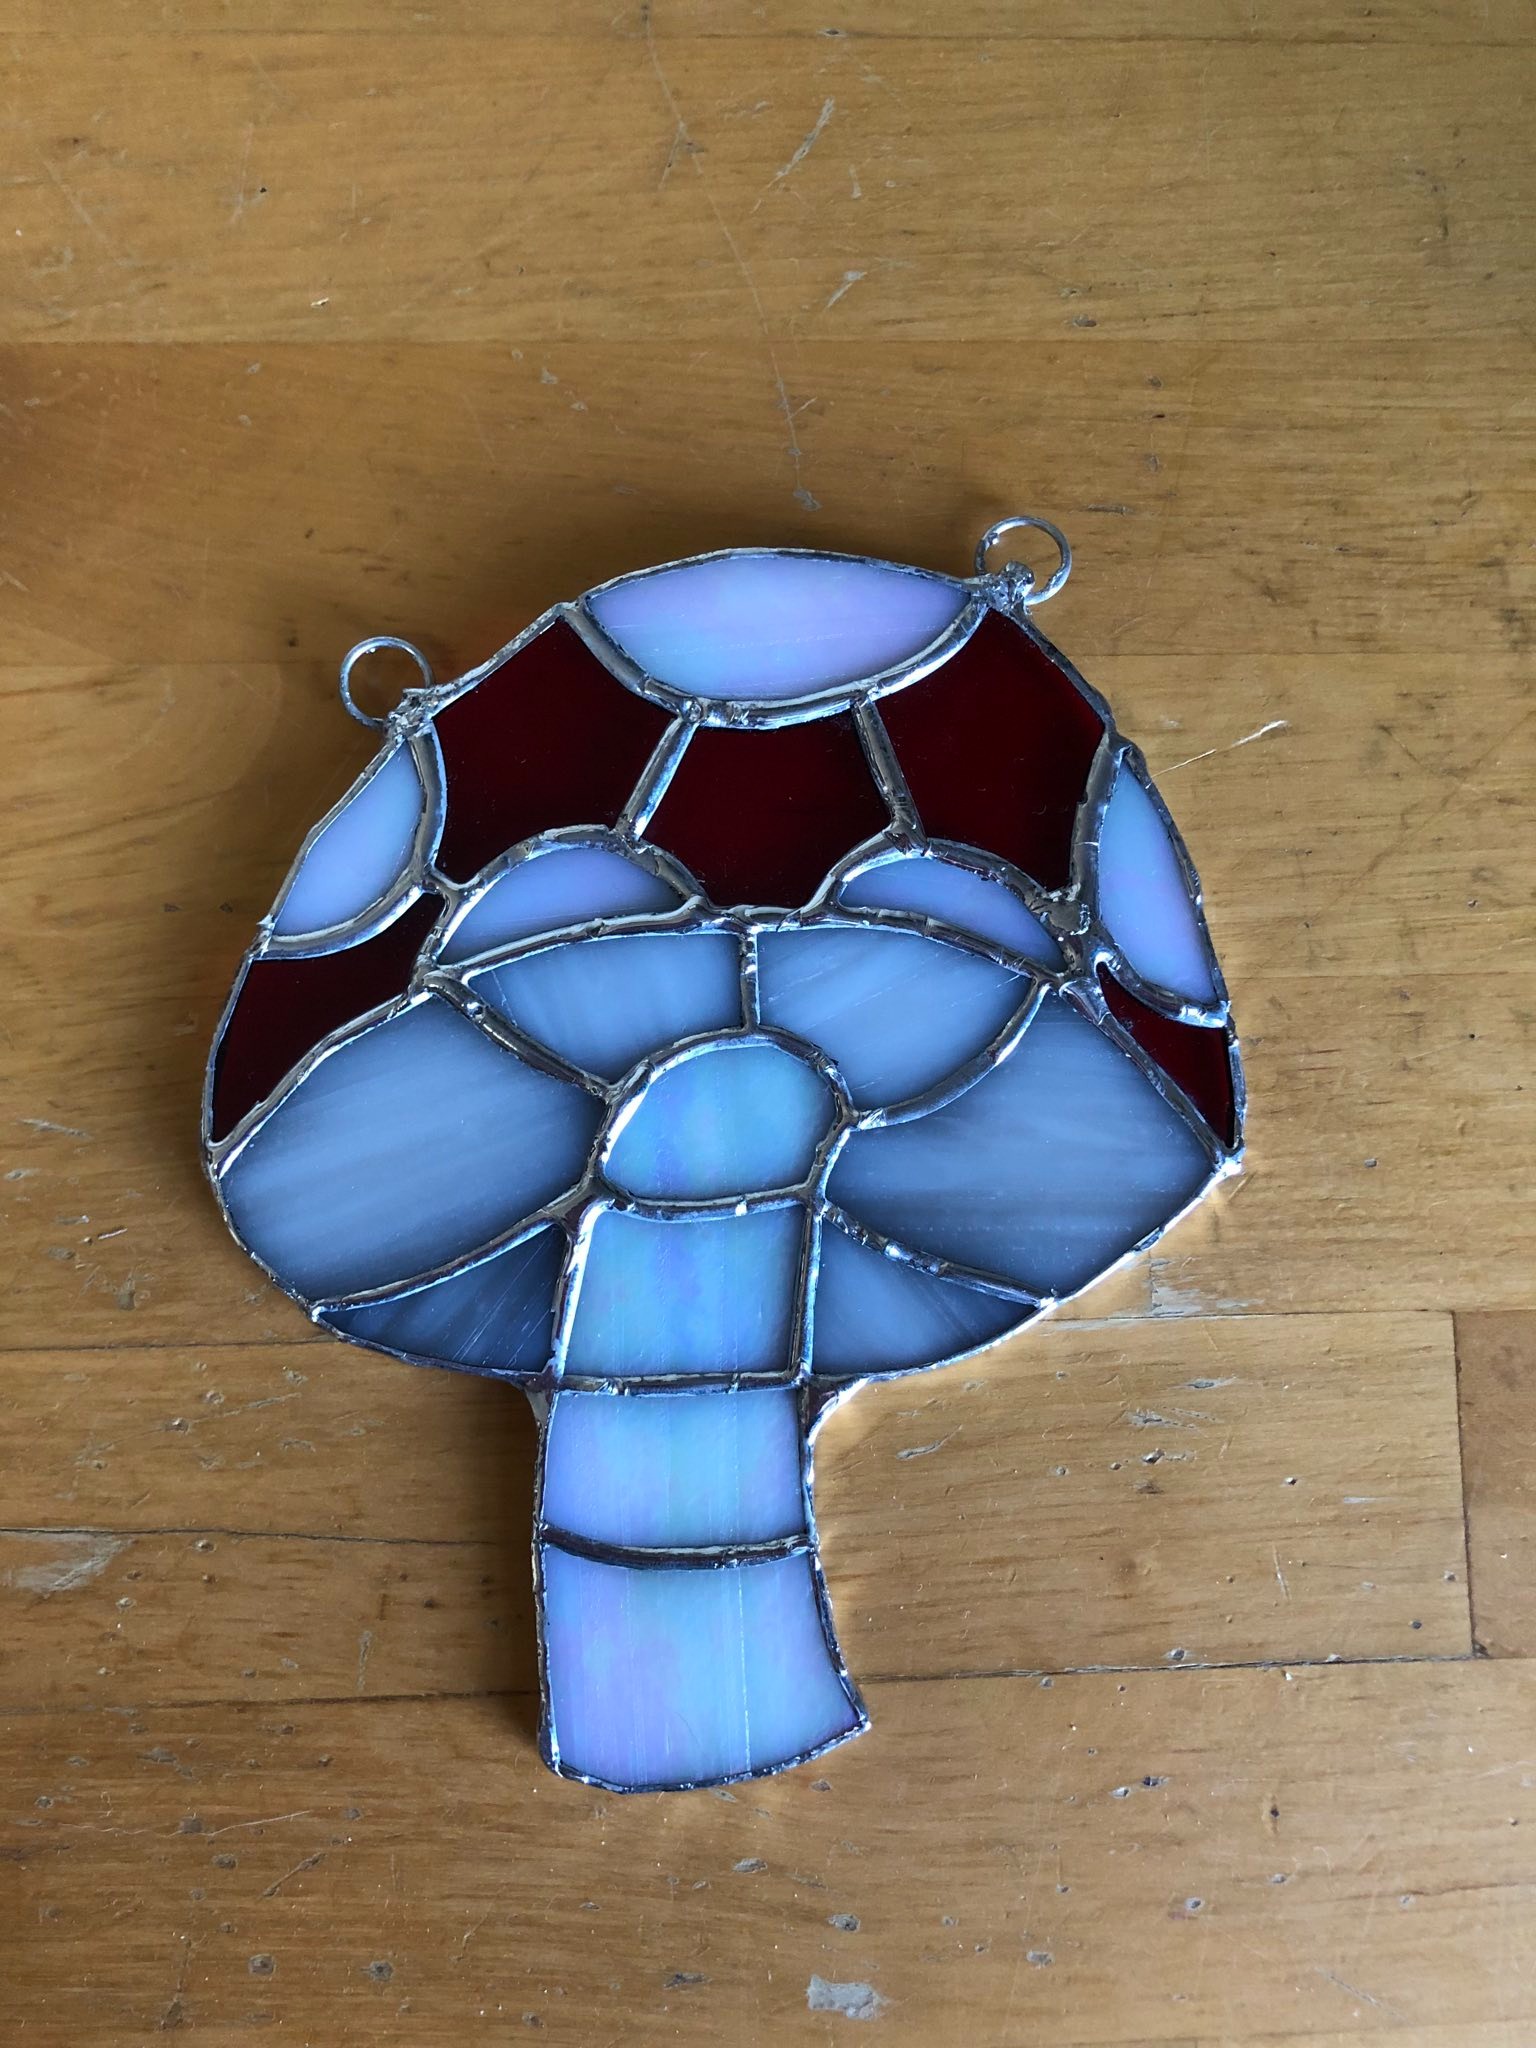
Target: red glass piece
x: 287, y: 1006
x: 996, y: 746
x: 759, y: 817
x: 1196, y: 1056
x: 550, y: 738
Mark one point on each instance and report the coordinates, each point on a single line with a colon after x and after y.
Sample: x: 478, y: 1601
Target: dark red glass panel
x: 759, y: 817
x: 288, y: 1006
x: 551, y: 738
x: 1194, y: 1055
x: 996, y: 746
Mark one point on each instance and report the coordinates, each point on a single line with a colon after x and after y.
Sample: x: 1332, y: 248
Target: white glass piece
x: 775, y: 625
x: 552, y: 888
x: 1043, y: 1173
x: 935, y: 887
x: 879, y: 1314
x: 604, y: 1003
x: 897, y: 1011
x: 663, y: 1676
x: 496, y: 1317
x: 697, y: 1295
x: 735, y: 1117
x: 406, y: 1147
x: 1144, y: 898
x: 675, y: 1471
x: 358, y: 857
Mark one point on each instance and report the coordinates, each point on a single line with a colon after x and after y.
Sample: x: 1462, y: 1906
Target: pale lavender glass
x: 774, y: 625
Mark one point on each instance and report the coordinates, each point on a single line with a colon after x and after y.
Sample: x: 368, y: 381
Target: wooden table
x: 1195, y: 1626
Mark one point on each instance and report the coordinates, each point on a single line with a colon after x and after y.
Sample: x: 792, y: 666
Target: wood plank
x: 316, y: 1440
x: 1238, y: 501
x: 1319, y: 1852
x: 1495, y: 1355
x: 1494, y: 23
x: 322, y: 1522
x: 103, y: 1619
x: 1153, y: 1494
x: 172, y: 189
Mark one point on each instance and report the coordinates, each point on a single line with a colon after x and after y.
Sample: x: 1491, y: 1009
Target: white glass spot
x: 1144, y: 899
x: 696, y: 1295
x: 898, y: 1012
x: 675, y: 1471
x: 360, y: 855
x: 664, y: 1677
x: 879, y: 1314
x: 732, y: 1118
x: 774, y: 626
x: 552, y: 888
x: 497, y: 1317
x: 406, y: 1147
x: 1044, y: 1173
x: 604, y: 1003
x: 957, y: 896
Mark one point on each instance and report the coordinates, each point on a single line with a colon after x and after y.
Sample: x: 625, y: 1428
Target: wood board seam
x: 254, y: 1703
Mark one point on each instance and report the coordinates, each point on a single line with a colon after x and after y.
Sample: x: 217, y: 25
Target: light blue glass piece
x: 408, y: 1146
x: 604, y: 1003
x: 772, y: 625
x: 360, y: 855
x: 675, y: 1471
x: 935, y: 887
x: 878, y: 1314
x: 732, y: 1118
x: 897, y: 1011
x: 712, y: 1294
x: 666, y: 1677
x: 1144, y: 898
x: 553, y: 888
x: 1044, y: 1173
x: 496, y: 1317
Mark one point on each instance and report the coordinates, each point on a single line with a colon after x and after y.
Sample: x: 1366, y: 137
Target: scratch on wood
x: 308, y: 1863
x: 1354, y: 1991
x: 808, y: 141
x: 81, y: 1559
x: 925, y: 1450
x: 269, y: 1820
x: 1247, y: 740
x: 801, y: 495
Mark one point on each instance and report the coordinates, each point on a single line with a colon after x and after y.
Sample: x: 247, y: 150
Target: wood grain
x: 1198, y: 1852
x: 1495, y: 1356
x: 1237, y: 500
x: 1495, y: 24
x: 326, y: 319
x: 722, y: 192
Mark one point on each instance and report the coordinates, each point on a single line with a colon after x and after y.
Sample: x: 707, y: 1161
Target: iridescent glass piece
x: 766, y: 973
x: 548, y: 888
x: 764, y: 627
x: 360, y: 855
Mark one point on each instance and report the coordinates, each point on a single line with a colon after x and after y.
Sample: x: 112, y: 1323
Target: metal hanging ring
x: 375, y: 646
x: 1025, y: 592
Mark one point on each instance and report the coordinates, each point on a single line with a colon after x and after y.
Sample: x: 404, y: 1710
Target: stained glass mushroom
x: 769, y: 973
